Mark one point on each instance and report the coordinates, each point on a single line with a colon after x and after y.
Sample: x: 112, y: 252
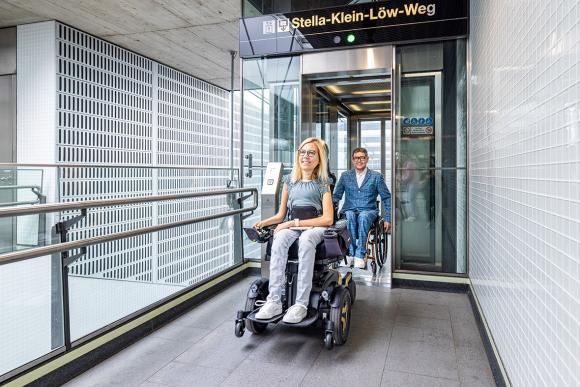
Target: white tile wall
x: 525, y: 184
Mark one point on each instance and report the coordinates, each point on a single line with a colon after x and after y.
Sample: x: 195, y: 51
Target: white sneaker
x: 269, y: 310
x: 295, y: 314
x: 359, y: 263
x: 349, y: 260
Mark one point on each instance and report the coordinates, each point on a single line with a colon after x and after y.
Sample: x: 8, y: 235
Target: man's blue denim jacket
x: 365, y: 197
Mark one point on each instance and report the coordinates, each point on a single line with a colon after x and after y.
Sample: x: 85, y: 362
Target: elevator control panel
x: 272, y: 179
x: 269, y: 202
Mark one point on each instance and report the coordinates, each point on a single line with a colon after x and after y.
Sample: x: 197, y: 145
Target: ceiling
x: 194, y: 36
x: 368, y: 95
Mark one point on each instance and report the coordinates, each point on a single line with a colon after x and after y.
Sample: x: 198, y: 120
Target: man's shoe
x: 295, y: 314
x: 269, y: 310
x: 349, y: 260
x: 359, y: 263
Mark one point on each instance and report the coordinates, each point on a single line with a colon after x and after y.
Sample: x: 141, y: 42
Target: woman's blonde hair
x: 321, y: 170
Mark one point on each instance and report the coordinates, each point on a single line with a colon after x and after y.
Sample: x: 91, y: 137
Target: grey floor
x: 399, y: 337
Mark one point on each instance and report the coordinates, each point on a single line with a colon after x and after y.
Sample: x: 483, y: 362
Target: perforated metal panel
x: 116, y: 107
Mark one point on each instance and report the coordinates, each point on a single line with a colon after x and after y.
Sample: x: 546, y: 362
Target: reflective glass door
x: 417, y: 188
x: 271, y: 112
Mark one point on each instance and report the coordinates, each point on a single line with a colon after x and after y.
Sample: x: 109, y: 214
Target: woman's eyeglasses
x: 309, y: 153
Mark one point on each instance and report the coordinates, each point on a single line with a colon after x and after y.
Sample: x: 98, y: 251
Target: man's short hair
x: 359, y: 150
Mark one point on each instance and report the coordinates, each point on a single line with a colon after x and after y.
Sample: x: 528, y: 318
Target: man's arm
x: 385, y: 196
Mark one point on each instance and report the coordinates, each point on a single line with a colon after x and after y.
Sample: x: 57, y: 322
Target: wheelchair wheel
x: 340, y: 316
x: 381, y: 240
x: 352, y: 291
x: 254, y: 327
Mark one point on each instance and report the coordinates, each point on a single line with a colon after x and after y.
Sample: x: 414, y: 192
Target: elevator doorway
x: 380, y: 98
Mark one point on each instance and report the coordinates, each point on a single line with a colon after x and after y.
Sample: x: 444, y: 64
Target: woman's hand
x: 258, y: 225
x: 283, y: 226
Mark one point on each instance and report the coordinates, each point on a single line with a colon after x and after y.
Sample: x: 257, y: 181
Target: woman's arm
x: 279, y: 217
x: 327, y: 217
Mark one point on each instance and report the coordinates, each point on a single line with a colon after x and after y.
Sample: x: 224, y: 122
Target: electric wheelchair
x: 332, y: 294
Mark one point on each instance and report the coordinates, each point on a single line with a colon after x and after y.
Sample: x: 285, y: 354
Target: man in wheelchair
x: 361, y: 187
x: 302, y: 283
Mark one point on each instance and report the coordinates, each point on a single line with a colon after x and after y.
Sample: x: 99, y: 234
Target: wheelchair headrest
x: 331, y: 175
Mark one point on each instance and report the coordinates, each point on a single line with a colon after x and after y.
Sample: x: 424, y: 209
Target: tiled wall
x: 525, y: 184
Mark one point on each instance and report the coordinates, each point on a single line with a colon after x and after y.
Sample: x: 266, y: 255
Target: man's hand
x: 387, y: 226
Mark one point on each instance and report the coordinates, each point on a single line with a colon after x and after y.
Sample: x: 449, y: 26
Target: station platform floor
x: 398, y: 337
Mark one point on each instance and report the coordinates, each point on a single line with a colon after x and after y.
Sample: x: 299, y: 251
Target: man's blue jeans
x: 359, y: 224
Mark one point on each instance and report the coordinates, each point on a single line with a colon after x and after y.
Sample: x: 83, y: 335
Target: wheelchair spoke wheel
x: 340, y: 316
x: 382, y: 244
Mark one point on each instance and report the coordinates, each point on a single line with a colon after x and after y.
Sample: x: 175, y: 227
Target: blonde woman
x: 306, y: 186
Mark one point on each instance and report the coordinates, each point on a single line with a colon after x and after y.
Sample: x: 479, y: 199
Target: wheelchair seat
x: 332, y: 249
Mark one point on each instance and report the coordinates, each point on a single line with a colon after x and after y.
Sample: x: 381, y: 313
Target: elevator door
x: 418, y: 173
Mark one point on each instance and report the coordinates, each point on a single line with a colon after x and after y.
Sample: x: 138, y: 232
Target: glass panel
x: 342, y: 156
x: 271, y: 105
x: 30, y: 311
x: 21, y: 187
x: 114, y: 279
x: 430, y: 160
x: 370, y: 138
x: 433, y: 240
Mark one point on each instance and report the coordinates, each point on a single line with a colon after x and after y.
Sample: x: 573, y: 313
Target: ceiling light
x: 334, y: 89
x: 379, y: 110
x: 376, y: 102
x: 371, y: 91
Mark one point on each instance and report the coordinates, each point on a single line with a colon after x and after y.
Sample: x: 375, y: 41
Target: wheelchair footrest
x: 311, y: 318
x: 275, y: 319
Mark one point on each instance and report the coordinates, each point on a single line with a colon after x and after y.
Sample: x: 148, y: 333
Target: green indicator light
x: 350, y: 38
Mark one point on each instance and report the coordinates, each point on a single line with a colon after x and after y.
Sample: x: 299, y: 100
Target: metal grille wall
x: 116, y: 107
x: 193, y: 127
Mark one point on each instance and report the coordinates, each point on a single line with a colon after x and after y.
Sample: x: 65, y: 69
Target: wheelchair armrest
x: 339, y: 225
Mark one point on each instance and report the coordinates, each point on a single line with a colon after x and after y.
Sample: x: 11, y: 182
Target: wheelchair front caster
x: 328, y: 341
x: 240, y: 329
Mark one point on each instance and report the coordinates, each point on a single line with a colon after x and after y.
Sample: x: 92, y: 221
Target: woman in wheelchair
x: 308, y: 185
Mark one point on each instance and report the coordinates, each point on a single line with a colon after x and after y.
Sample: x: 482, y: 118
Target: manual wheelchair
x: 331, y: 297
x: 377, y: 245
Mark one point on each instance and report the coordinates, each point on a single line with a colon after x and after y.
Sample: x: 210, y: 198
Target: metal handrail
x: 138, y: 166
x: 54, y: 207
x: 34, y: 188
x: 52, y: 249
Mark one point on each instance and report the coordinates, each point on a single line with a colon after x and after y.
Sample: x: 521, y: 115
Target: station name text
x: 341, y: 17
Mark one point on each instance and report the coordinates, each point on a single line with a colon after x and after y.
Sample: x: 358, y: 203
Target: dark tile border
x: 83, y: 363
x: 430, y: 285
x: 491, y: 357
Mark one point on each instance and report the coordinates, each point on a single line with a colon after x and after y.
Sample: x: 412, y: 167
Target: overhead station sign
x: 394, y: 21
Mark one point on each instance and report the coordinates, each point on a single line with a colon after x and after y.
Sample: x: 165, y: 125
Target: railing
x: 235, y: 200
x: 41, y: 199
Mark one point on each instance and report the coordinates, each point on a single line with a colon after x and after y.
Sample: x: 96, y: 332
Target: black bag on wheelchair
x: 303, y: 212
